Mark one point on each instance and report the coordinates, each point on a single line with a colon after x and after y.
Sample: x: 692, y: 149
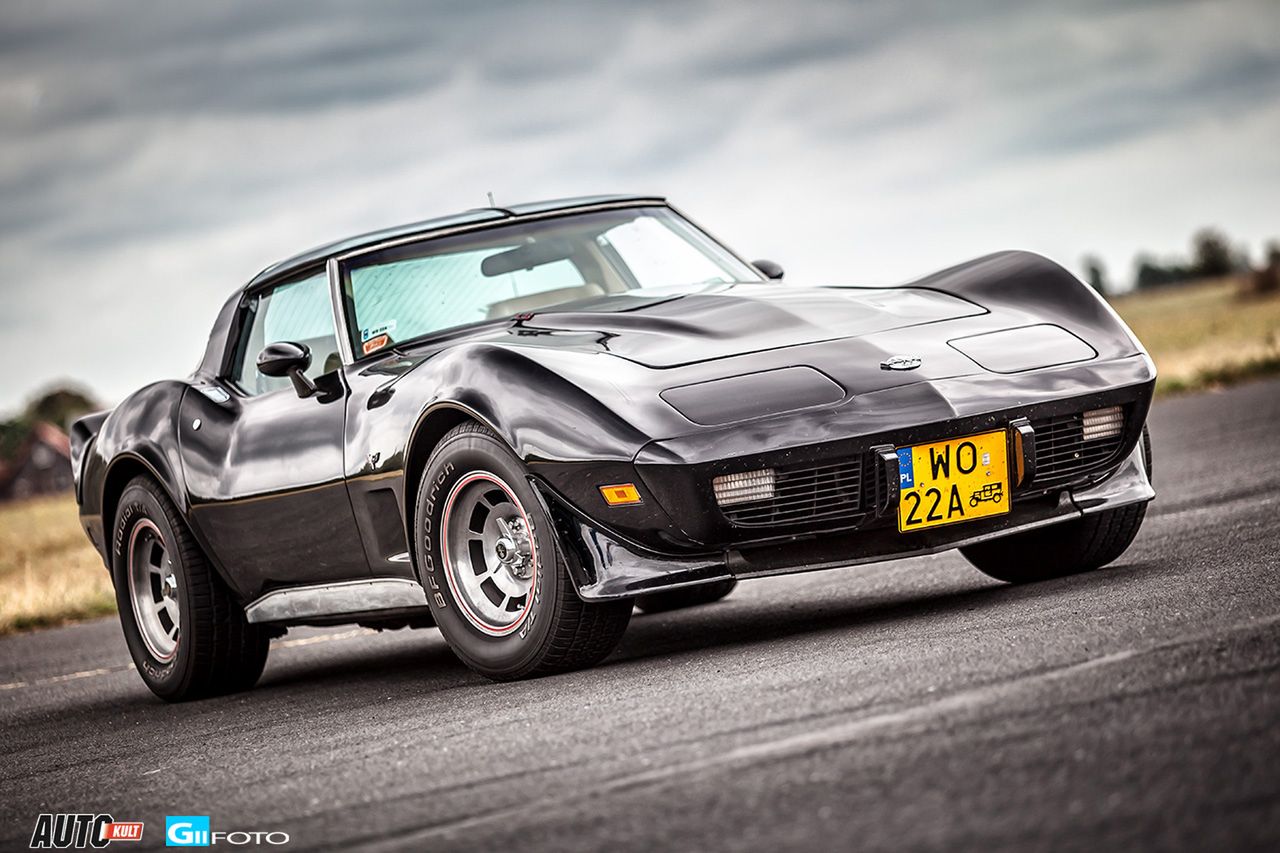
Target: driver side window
x: 298, y: 311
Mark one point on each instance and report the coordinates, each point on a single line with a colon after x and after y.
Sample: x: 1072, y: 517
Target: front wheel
x: 498, y: 590
x: 187, y: 635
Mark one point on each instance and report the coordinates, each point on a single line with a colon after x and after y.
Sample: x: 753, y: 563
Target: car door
x: 264, y: 465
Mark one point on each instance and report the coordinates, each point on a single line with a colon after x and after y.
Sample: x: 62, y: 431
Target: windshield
x: 412, y: 291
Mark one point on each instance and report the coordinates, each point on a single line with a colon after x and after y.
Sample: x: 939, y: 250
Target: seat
x: 537, y: 301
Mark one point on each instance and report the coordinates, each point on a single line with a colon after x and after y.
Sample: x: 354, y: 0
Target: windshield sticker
x: 374, y: 331
x: 375, y: 344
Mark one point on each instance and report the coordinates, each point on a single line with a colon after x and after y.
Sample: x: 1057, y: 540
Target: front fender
x: 569, y: 434
x: 1024, y: 283
x: 542, y: 413
x: 538, y: 406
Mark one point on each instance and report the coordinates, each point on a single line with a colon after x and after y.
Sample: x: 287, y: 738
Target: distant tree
x: 1149, y: 272
x: 12, y: 433
x: 1266, y: 280
x: 1211, y: 254
x: 60, y: 406
x: 1095, y: 274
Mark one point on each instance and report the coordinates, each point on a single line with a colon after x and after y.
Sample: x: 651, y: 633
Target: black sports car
x: 519, y: 423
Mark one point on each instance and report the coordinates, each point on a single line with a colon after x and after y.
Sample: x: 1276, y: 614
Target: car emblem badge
x: 901, y: 362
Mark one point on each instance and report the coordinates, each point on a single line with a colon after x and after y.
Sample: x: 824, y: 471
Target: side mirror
x: 769, y: 269
x: 286, y: 358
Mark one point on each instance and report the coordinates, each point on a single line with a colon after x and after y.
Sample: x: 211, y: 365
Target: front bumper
x: 679, y: 515
x: 604, y: 568
x: 679, y: 536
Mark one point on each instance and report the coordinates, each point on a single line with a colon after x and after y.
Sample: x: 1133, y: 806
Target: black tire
x: 556, y: 630
x: 692, y: 596
x: 216, y: 651
x: 1062, y: 549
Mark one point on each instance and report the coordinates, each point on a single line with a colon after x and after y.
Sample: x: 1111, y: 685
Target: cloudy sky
x: 154, y: 156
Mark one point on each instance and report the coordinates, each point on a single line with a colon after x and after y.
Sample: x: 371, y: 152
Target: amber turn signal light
x: 620, y: 494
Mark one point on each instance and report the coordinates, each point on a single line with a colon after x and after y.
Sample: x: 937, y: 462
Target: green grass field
x: 1200, y: 335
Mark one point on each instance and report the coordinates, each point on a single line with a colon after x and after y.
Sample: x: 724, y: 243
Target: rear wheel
x: 678, y: 599
x: 1062, y: 549
x: 187, y: 635
x: 498, y: 589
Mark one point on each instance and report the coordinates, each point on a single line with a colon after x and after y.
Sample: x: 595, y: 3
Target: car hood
x: 671, y: 329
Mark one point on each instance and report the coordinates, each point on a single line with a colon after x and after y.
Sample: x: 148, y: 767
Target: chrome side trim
x: 362, y: 596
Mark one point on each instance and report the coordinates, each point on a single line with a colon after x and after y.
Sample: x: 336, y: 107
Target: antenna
x: 491, y: 202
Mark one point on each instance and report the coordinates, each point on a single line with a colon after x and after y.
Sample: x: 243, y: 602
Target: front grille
x: 805, y: 494
x: 833, y: 495
x: 1063, y: 454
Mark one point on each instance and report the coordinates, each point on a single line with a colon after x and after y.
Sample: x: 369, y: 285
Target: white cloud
x: 157, y: 160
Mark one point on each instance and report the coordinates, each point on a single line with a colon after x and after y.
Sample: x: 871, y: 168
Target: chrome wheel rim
x: 491, y: 562
x: 153, y: 590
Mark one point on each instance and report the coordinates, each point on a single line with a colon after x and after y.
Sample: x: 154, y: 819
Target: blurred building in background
x: 41, y: 466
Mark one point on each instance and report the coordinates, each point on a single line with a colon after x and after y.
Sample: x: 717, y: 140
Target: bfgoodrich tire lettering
x: 214, y: 650
x: 551, y: 629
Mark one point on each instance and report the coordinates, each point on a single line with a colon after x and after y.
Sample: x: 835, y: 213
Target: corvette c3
x: 518, y: 424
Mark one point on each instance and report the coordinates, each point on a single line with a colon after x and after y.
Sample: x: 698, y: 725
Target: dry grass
x: 49, y: 573
x: 1205, y: 333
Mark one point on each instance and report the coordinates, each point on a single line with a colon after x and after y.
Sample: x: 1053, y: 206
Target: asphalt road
x: 914, y: 704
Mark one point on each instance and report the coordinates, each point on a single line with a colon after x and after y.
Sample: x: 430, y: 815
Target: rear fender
x: 83, y: 432
x: 138, y: 437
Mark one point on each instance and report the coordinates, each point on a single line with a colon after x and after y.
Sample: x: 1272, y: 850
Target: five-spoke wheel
x: 186, y: 632
x: 489, y: 553
x: 153, y: 590
x: 499, y: 589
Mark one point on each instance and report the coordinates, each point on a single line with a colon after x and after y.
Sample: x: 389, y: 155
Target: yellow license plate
x: 952, y: 481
